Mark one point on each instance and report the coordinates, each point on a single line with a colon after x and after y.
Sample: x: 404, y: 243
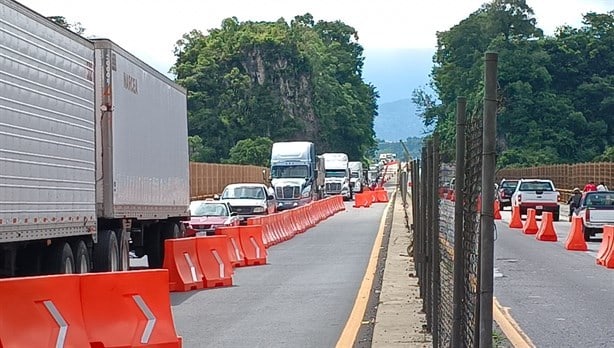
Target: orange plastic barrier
x: 97, y: 310
x: 530, y: 224
x: 214, y: 260
x: 181, y: 261
x: 546, y: 229
x: 42, y: 312
x: 575, y: 238
x: 251, y: 242
x: 605, y: 255
x: 515, y: 221
x: 362, y: 200
x: 381, y: 196
x: 237, y: 257
x: 128, y: 309
x: 497, y: 210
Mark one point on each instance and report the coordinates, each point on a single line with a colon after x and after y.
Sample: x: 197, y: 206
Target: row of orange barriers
x: 368, y: 197
x: 209, y: 261
x: 284, y: 225
x: 575, y: 239
x: 98, y: 310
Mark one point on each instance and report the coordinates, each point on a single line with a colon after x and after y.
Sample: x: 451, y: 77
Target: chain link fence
x: 433, y: 202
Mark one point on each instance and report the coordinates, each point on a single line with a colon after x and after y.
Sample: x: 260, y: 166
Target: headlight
x: 259, y: 210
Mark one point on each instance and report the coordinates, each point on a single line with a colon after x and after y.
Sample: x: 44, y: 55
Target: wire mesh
x: 471, y: 229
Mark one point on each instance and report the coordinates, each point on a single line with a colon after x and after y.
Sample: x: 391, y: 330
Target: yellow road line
x: 510, y: 328
x: 348, y: 335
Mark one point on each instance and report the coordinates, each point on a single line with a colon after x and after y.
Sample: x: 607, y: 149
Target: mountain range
x: 396, y: 73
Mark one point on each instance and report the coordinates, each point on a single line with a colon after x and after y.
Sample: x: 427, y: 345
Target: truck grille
x: 333, y: 187
x: 287, y: 192
x: 243, y: 210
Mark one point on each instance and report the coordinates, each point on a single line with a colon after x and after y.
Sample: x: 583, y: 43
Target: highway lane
x: 301, y: 298
x: 559, y: 298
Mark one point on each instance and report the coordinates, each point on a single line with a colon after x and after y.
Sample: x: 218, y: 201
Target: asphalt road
x: 559, y: 298
x: 301, y: 298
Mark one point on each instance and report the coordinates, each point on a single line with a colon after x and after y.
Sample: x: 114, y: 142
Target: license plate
x: 539, y: 207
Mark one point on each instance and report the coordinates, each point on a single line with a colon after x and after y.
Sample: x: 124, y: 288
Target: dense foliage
x: 556, y: 93
x: 256, y: 151
x: 282, y: 81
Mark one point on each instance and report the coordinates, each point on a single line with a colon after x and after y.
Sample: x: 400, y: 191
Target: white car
x: 538, y: 194
x: 249, y: 200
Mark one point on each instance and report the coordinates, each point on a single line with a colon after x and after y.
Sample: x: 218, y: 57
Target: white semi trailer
x: 93, y: 151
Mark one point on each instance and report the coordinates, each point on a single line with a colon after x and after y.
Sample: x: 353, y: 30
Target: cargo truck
x: 295, y: 177
x: 357, y: 176
x: 337, y: 181
x: 93, y: 151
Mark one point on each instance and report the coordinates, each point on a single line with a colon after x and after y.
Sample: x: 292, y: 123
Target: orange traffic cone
x: 515, y: 221
x: 575, y: 238
x: 497, y: 210
x: 546, y: 229
x: 530, y: 224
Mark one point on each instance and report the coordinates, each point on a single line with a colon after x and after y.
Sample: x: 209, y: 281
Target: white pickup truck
x: 537, y: 194
x: 596, y: 210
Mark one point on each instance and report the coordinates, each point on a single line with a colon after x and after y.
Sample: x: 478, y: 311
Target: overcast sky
x: 149, y: 29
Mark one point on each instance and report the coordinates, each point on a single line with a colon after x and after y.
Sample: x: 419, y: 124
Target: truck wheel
x: 82, y: 257
x: 153, y: 245
x: 106, y: 252
x: 587, y: 234
x: 60, y: 259
x: 555, y: 216
x: 124, y: 250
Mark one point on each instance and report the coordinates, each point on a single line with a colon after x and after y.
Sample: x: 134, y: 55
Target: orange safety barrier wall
x: 605, y: 255
x: 252, y: 244
x: 235, y: 251
x: 181, y: 261
x: 214, y: 260
x: 97, y: 310
x: 128, y: 309
x: 42, y: 312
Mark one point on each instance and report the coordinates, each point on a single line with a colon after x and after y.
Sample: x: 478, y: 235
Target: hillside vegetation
x: 275, y: 81
x: 556, y: 94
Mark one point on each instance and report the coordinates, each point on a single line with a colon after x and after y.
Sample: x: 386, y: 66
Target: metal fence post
x: 435, y: 238
x: 488, y: 197
x: 459, y: 255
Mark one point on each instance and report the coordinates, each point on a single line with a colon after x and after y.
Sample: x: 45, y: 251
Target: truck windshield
x: 339, y: 173
x: 243, y: 192
x: 289, y: 172
x: 535, y: 186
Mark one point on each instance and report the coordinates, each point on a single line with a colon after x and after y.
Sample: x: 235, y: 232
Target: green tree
x: 197, y: 150
x: 255, y: 151
x: 63, y: 22
x: 297, y: 81
x: 555, y: 93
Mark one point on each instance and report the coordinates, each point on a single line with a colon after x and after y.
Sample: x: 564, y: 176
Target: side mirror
x: 216, y: 197
x: 271, y: 197
x: 233, y: 213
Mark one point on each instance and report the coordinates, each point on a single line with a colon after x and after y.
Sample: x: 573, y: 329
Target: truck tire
x: 124, y: 250
x: 587, y: 234
x: 153, y: 245
x: 60, y: 259
x: 106, y: 252
x: 555, y: 216
x: 82, y: 257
